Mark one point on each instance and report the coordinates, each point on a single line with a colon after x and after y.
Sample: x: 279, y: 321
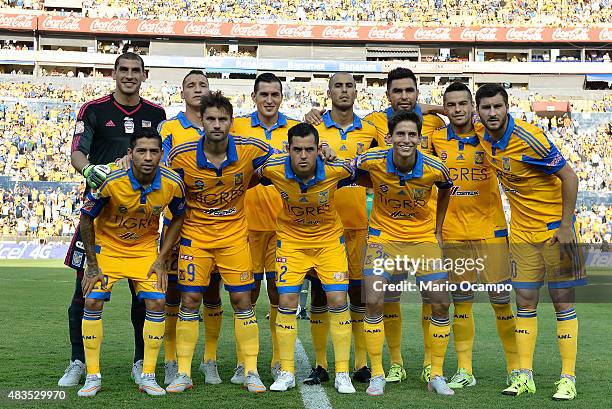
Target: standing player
x: 263, y: 203
x: 102, y: 135
x: 309, y: 234
x: 474, y: 229
x: 541, y: 188
x: 401, y: 225
x: 217, y: 170
x: 187, y: 127
x: 120, y: 228
x: 349, y: 136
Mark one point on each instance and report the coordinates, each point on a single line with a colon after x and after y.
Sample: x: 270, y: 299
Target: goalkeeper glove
x: 96, y: 175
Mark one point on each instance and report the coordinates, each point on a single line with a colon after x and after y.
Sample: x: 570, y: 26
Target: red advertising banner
x: 306, y: 32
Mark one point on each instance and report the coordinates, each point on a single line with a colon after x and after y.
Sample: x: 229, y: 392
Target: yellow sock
x: 567, y: 335
x: 319, y: 330
x: 506, y: 324
x: 247, y: 336
x: 526, y: 334
x: 187, y: 331
x: 340, y: 329
x: 213, y: 317
x: 275, y: 345
x: 286, y: 330
x: 239, y: 357
x: 439, y: 332
x: 374, y: 331
x: 463, y: 332
x: 357, y: 314
x: 170, y: 332
x: 392, y: 318
x: 93, y: 334
x: 425, y: 317
x: 153, y: 334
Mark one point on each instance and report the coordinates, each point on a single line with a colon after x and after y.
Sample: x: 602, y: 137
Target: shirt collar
x: 416, y: 172
x: 502, y: 144
x: 389, y: 111
x: 319, y: 173
x: 232, y: 154
x: 156, y: 185
x: 282, y: 120
x: 329, y: 122
x: 470, y: 140
x: 185, y: 123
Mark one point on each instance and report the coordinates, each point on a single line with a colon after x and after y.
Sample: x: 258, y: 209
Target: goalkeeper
x: 102, y: 136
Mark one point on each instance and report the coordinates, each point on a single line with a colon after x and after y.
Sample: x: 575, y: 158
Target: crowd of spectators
x: 595, y: 223
x: 410, y: 12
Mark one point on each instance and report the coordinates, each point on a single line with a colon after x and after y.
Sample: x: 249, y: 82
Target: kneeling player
x: 401, y: 224
x: 309, y: 236
x: 120, y: 225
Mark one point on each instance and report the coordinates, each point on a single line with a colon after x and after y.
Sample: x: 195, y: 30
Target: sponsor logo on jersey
x: 122, y: 209
x: 456, y: 192
x: 339, y: 277
x: 128, y: 124
x: 110, y: 123
x: 443, y: 156
x: 146, y: 124
x: 383, y: 188
x: 186, y: 257
x: 219, y: 212
x: 199, y: 183
x: 281, y: 259
x: 220, y: 183
x: 284, y: 195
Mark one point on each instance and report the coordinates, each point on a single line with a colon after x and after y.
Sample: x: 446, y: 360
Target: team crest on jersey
x: 122, y: 209
x: 244, y: 277
x: 424, y: 142
x: 418, y: 193
x: 339, y: 277
x: 285, y: 146
x: 506, y: 163
x: 479, y: 157
x: 324, y: 197
x: 146, y: 124
x: 199, y: 183
x: 80, y: 127
x: 360, y: 148
x: 157, y: 210
x: 443, y: 156
x: 284, y: 195
x: 238, y: 179
x: 77, y: 258
x: 383, y: 188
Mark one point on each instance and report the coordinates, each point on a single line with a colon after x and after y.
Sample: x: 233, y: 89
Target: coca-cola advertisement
x: 304, y: 31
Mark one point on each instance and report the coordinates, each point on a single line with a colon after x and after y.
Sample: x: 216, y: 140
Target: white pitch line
x: 313, y: 396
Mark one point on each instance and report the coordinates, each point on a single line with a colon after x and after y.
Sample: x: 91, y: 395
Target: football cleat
x: 343, y: 383
x: 253, y: 383
x: 93, y: 384
x: 362, y: 375
x: 180, y: 384
x: 275, y: 371
x: 136, y: 371
x: 238, y: 377
x: 566, y: 389
x: 72, y: 374
x: 522, y: 383
x: 462, y: 379
x: 149, y: 385
x: 170, y: 370
x: 397, y: 373
x: 211, y: 374
x: 285, y: 380
x: 317, y: 375
x: 512, y: 376
x: 439, y: 386
x: 426, y: 374
x: 377, y: 386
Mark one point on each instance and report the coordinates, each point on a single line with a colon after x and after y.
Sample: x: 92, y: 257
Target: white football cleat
x: 438, y: 385
x: 137, y: 371
x: 254, y: 384
x: 170, y: 370
x: 72, y: 374
x: 343, y: 383
x: 211, y: 373
x: 180, y: 384
x: 93, y: 384
x: 238, y: 377
x: 377, y: 386
x: 285, y: 380
x: 149, y: 385
x: 275, y: 371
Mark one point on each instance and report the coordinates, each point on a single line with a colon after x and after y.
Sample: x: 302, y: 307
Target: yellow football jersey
x: 309, y: 218
x: 399, y: 210
x: 431, y: 122
x: 263, y: 203
x: 475, y: 209
x: 347, y: 144
x: 524, y: 160
x: 127, y: 214
x: 215, y: 196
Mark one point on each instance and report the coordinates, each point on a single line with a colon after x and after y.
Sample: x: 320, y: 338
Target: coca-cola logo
x: 251, y: 30
x: 17, y: 21
x: 109, y: 26
x: 605, y: 34
x: 479, y: 34
x: 203, y: 29
x: 525, y: 34
x: 341, y: 33
x: 575, y: 34
x: 61, y: 23
x: 438, y: 34
x: 285, y: 31
x: 155, y: 27
x: 386, y: 33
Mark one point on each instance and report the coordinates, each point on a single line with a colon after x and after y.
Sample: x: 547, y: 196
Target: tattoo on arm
x: 89, y: 242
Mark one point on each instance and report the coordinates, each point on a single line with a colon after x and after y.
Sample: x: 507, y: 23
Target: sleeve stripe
x: 111, y: 178
x: 95, y: 101
x: 438, y: 166
x: 168, y: 174
x: 526, y: 136
x: 251, y: 141
x: 191, y: 146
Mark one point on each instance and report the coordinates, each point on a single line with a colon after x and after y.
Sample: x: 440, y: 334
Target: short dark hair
x: 302, y: 130
x: 267, y: 77
x: 216, y: 99
x: 193, y: 72
x: 130, y: 56
x: 490, y: 90
x: 148, y: 133
x: 458, y: 87
x: 401, y: 73
x: 403, y: 115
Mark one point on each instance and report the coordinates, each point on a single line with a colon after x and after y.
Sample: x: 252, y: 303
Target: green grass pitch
x: 35, y: 350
